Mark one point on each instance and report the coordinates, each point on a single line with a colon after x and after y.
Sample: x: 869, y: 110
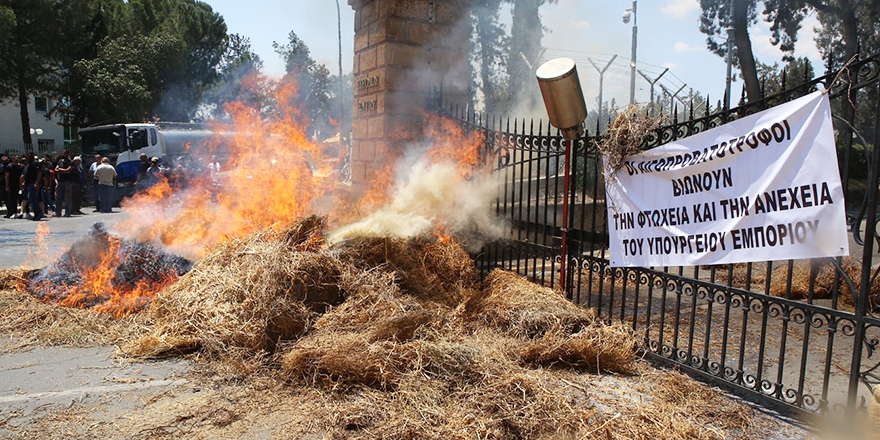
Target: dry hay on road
x: 34, y: 322
x: 384, y: 339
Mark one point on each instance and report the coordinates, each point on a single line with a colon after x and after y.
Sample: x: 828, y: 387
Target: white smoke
x: 428, y: 196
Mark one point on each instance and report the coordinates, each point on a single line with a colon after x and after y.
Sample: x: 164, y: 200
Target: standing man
x: 64, y: 191
x: 94, y: 179
x: 106, y: 177
x: 12, y: 180
x: 141, y: 181
x: 33, y: 184
x: 78, y: 180
x: 154, y: 172
x: 4, y: 160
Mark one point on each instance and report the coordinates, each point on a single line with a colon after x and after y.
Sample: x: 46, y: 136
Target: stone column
x: 403, y: 50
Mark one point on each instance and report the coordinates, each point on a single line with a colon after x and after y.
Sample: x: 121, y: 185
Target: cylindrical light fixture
x: 563, y: 97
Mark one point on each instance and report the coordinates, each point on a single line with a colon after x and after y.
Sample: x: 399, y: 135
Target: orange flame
x: 38, y: 254
x: 275, y: 173
x: 98, y: 291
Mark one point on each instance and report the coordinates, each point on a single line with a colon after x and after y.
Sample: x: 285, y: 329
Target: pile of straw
x: 408, y: 319
x: 34, y: 322
x: 245, y: 296
x: 387, y: 339
x: 625, y: 136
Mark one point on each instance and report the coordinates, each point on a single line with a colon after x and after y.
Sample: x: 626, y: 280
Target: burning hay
x: 105, y: 273
x: 246, y: 295
x: 625, y: 136
x: 32, y: 321
x: 391, y: 338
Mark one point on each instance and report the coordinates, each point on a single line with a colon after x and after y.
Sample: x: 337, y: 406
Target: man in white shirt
x: 92, y: 168
x: 106, y: 175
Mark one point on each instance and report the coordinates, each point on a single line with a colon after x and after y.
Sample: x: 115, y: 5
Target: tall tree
x: 203, y: 33
x: 714, y: 20
x: 310, y: 80
x: 844, y: 16
x: 526, y: 33
x: 776, y: 79
x: 125, y: 79
x: 38, y: 33
x: 186, y: 73
x: 490, y: 43
x: 238, y: 79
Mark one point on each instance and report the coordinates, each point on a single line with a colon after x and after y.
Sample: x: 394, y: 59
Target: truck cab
x: 122, y: 144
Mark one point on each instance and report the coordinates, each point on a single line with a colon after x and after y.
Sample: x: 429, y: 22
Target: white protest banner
x: 764, y: 187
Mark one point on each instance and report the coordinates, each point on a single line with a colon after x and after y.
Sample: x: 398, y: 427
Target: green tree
x: 238, y: 80
x: 312, y: 82
x: 174, y: 88
x: 714, y: 20
x: 123, y: 81
x: 526, y: 33
x: 203, y: 33
x: 36, y: 36
x: 847, y: 22
x: 792, y: 73
x: 489, y: 45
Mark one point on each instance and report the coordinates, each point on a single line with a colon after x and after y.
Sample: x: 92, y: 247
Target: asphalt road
x: 17, y: 237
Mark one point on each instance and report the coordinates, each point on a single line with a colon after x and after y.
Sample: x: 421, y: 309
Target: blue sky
x: 668, y: 31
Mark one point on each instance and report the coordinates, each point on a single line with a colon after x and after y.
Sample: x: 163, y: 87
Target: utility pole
x: 341, y: 88
x: 635, y: 38
x: 652, y: 82
x: 672, y: 96
x: 729, y: 55
x: 601, y: 83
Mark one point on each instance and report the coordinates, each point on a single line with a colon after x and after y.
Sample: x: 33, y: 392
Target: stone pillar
x: 403, y: 50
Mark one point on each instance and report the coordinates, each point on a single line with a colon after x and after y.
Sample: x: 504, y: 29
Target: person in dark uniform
x: 33, y: 184
x: 78, y: 180
x: 64, y: 190
x: 4, y: 160
x: 12, y: 180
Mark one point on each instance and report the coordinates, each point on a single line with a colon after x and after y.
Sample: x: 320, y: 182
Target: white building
x: 55, y: 134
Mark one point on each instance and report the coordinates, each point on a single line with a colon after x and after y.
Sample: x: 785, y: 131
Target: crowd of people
x: 178, y: 173
x: 37, y: 187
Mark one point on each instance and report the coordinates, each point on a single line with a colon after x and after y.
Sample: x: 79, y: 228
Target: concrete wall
x: 10, y: 125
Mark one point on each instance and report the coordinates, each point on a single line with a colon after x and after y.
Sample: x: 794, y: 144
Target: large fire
x: 275, y: 173
x: 106, y: 273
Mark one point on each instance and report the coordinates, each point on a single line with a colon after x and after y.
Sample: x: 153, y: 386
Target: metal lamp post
x: 631, y: 12
x: 564, y: 100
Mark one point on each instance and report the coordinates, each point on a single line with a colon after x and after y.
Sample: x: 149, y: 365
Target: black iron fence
x: 801, y: 334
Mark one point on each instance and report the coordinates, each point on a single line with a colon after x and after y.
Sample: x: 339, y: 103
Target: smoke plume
x: 431, y: 198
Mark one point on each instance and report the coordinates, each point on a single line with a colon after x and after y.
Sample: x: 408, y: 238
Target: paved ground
x: 39, y: 380
x: 17, y: 236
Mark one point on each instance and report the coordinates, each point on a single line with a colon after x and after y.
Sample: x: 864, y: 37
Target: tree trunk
x: 23, y: 107
x: 341, y: 121
x: 744, y: 52
x: 526, y: 32
x: 850, y: 29
x: 483, y: 24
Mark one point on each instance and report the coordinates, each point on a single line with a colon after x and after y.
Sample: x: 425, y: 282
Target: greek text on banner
x: 764, y: 187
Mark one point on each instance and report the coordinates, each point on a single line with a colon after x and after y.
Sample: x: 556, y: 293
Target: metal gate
x: 800, y: 335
